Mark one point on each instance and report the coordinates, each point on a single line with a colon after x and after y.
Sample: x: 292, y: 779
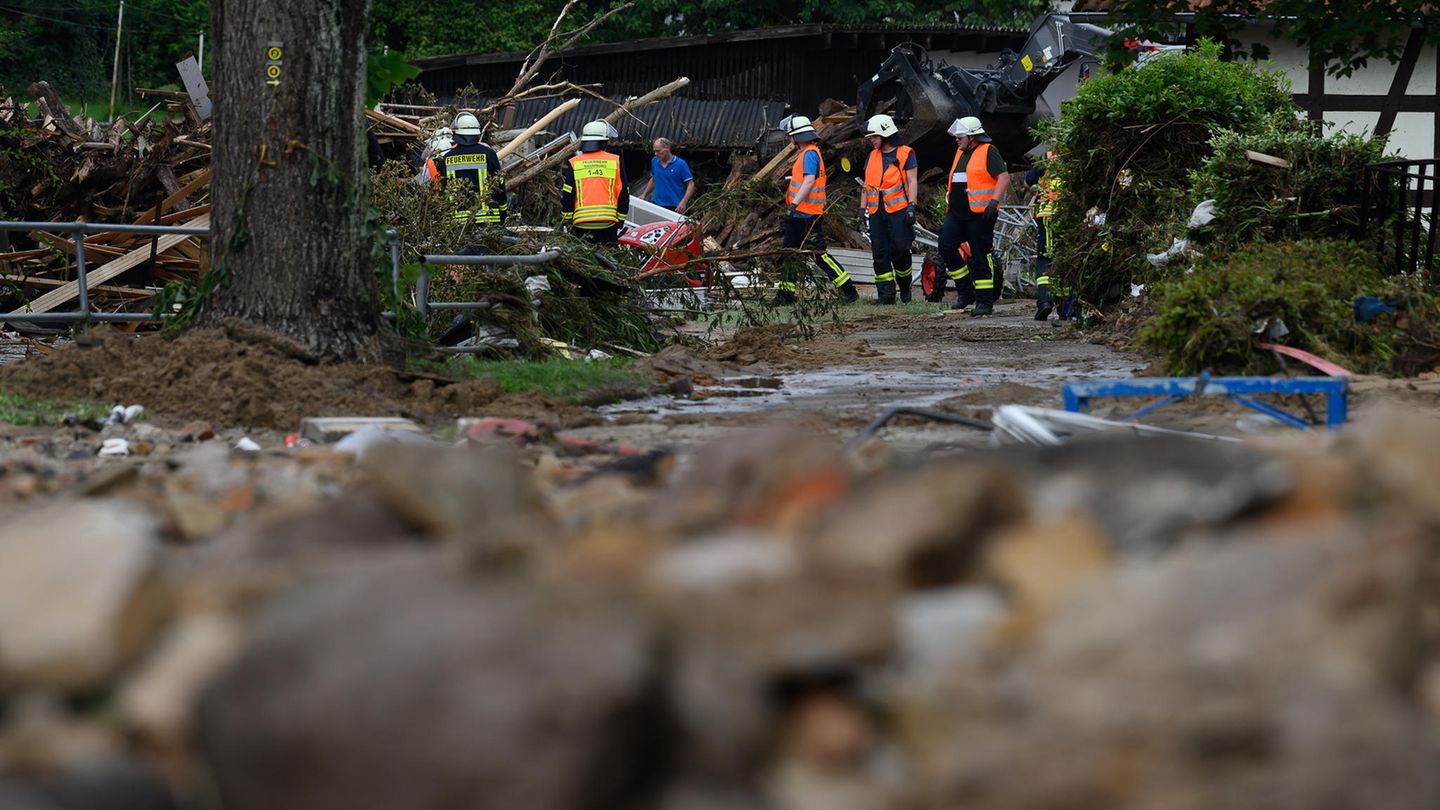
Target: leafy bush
x: 1318, y: 196
x: 1207, y: 318
x: 1127, y: 145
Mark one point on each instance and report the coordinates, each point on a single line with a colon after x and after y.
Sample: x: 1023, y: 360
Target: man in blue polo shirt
x: 669, y: 178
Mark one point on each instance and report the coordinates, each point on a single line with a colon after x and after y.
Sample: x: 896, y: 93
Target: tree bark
x: 290, y: 238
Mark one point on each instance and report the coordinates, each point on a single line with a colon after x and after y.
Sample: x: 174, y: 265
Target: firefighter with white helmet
x: 888, y: 207
x: 470, y: 169
x: 594, y: 195
x: 805, y: 209
x: 978, y: 181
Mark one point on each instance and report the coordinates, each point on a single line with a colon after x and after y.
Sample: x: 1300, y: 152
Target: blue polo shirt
x: 669, y: 181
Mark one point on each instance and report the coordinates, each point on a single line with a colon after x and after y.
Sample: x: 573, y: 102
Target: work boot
x: 963, y: 299
x: 904, y: 283
x: 848, y: 293
x: 783, y: 298
x: 1043, y: 304
x: 982, y: 309
x: 885, y: 292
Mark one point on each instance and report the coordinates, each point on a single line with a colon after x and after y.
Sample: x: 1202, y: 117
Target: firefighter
x: 978, y: 181
x: 888, y: 207
x: 472, y: 169
x: 594, y: 197
x: 1046, y: 200
x: 805, y: 204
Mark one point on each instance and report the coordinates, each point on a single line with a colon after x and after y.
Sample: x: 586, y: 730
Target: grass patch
x: 586, y: 382
x: 21, y: 410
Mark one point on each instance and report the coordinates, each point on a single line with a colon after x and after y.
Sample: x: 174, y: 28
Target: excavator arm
x: 924, y: 96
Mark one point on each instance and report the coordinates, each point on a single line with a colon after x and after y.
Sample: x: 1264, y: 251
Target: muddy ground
x: 834, y: 383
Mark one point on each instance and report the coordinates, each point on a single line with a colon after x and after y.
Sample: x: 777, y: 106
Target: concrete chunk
x: 327, y: 429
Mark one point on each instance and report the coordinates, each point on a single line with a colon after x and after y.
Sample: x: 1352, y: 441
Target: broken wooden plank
x: 1268, y: 160
x: 105, y: 272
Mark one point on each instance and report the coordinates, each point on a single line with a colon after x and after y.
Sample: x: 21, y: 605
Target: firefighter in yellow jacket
x: 888, y: 207
x: 805, y: 204
x: 594, y: 196
x: 470, y: 169
x: 978, y: 181
x: 1046, y: 199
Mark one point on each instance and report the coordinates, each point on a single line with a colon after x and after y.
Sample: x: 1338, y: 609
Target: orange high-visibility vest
x: 1049, y: 197
x: 979, y: 182
x: 814, y: 202
x: 597, y: 189
x: 887, y: 187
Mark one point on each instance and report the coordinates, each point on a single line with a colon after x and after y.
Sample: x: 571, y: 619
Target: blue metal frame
x: 1239, y: 389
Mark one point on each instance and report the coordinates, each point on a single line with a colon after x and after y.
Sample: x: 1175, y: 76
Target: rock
x: 403, y: 684
x: 1254, y: 674
x: 1042, y: 562
x: 324, y: 430
x: 112, y: 785
x: 922, y: 527
x: 943, y: 623
x: 158, y: 700
x: 480, y: 495
x: 1148, y: 493
x: 79, y: 592
x: 197, y: 431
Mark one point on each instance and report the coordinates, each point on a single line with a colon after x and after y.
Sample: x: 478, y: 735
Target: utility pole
x: 115, y: 72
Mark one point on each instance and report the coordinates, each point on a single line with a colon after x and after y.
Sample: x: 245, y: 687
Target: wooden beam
x: 105, y: 272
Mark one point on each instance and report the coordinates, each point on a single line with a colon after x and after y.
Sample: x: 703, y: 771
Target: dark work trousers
x: 890, y: 238
x: 600, y: 236
x: 979, y: 234
x: 809, y: 233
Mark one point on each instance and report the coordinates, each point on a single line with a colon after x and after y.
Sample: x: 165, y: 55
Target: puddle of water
x: 855, y: 388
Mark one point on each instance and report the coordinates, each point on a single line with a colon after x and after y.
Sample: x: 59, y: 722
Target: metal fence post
x: 394, y: 261
x: 82, y: 291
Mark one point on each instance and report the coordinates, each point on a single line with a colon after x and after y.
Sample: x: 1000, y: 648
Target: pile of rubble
x: 145, y: 172
x: 525, y: 621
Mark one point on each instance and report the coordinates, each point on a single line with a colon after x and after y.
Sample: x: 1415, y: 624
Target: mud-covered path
x: 842, y: 379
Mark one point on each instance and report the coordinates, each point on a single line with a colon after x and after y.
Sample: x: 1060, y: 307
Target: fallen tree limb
x: 624, y: 109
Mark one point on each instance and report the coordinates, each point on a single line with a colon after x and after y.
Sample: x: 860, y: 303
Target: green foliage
x: 1346, y: 35
x: 1127, y: 146
x: 1206, y: 319
x: 578, y: 380
x: 384, y: 71
x: 21, y: 410
x: 1318, y: 196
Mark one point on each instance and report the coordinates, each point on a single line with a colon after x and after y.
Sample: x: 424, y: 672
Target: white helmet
x: 882, y: 125
x: 598, y: 131
x: 441, y: 140
x: 467, y: 124
x: 796, y: 124
x: 969, y: 125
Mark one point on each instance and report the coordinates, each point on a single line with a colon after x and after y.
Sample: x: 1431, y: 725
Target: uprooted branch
x: 553, y: 43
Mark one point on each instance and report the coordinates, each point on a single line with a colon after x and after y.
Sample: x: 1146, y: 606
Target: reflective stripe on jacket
x: 979, y: 182
x: 474, y: 165
x: 887, y: 187
x: 814, y: 202
x: 597, y: 192
x: 1049, y: 197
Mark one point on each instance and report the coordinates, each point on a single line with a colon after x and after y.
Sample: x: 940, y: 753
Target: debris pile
x: 65, y: 169
x: 766, y: 624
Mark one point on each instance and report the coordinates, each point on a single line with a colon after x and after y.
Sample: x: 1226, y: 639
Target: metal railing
x: 424, y: 305
x: 1401, y: 211
x: 79, y: 230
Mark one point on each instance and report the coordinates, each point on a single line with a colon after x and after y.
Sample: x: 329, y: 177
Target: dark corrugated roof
x: 689, y: 122
x: 749, y: 35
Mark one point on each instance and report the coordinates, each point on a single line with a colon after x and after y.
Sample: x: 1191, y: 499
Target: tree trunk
x: 289, y: 238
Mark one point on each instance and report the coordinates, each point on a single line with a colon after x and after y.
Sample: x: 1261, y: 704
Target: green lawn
x: 578, y: 380
x: 20, y: 410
